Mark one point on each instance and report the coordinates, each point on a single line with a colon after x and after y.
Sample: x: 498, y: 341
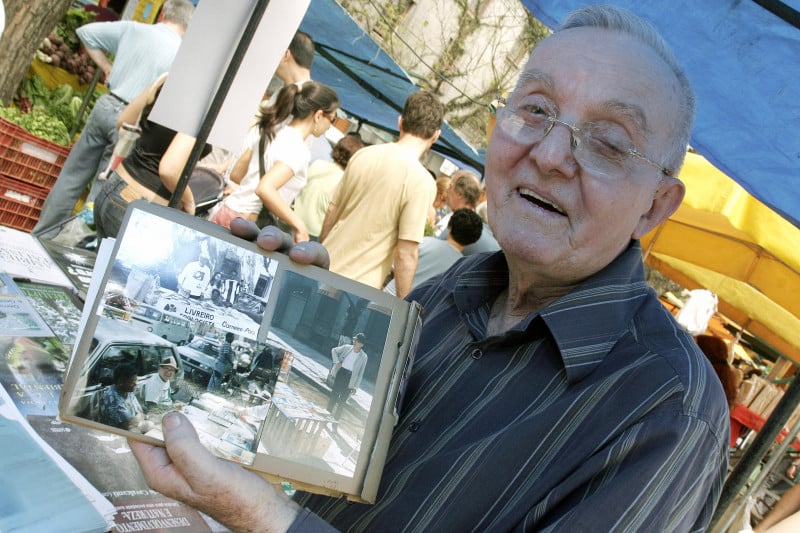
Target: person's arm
x: 787, y: 505
x: 330, y: 215
x: 358, y: 372
x: 132, y: 112
x: 100, y: 58
x: 101, y: 39
x: 790, y: 524
x: 662, y: 472
x: 406, y: 255
x: 267, y: 190
x: 336, y: 353
x: 240, y: 166
x: 171, y: 166
x: 185, y: 470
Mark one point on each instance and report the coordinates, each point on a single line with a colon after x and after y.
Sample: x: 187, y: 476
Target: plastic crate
x: 20, y: 203
x: 26, y: 157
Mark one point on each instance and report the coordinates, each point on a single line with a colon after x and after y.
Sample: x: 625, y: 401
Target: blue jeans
x: 88, y: 157
x: 215, y: 381
x: 110, y: 207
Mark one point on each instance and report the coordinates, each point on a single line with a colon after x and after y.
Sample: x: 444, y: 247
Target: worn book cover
x: 289, y: 370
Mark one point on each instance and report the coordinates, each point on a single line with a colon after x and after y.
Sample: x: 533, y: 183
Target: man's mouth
x: 539, y: 201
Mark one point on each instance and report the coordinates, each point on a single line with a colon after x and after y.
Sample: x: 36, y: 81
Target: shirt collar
x: 602, y: 306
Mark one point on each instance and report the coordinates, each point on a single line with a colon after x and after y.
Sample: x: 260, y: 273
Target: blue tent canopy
x: 371, y: 86
x: 743, y: 58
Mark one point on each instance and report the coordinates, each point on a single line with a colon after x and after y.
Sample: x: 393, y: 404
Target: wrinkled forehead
x: 594, y: 69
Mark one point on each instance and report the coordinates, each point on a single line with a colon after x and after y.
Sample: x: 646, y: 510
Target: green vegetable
x: 75, y: 105
x: 53, y: 113
x: 11, y: 114
x: 38, y: 122
x: 71, y: 21
x: 61, y: 95
x: 35, y: 90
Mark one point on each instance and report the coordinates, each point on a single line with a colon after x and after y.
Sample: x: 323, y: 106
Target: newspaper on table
x: 39, y: 490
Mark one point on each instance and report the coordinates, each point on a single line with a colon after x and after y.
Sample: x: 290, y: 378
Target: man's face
x: 166, y: 373
x: 454, y: 199
x: 357, y: 345
x: 128, y: 385
x: 549, y: 213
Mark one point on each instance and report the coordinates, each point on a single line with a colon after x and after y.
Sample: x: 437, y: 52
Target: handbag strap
x: 262, y: 142
x: 265, y: 216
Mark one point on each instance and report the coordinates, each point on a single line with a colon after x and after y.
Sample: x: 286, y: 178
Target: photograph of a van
x: 166, y: 325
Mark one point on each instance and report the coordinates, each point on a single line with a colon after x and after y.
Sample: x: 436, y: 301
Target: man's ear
x: 436, y: 136
x: 400, y: 124
x: 666, y: 200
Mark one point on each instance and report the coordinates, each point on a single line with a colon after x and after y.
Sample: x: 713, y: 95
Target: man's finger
x: 243, y: 228
x: 273, y: 239
x: 310, y: 253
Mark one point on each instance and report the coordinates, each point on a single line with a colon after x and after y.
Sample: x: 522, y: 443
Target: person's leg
x: 85, y: 160
x: 214, y: 381
x: 332, y: 401
x: 110, y: 207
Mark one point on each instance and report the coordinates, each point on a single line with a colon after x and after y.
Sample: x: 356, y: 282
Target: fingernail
x: 171, y: 420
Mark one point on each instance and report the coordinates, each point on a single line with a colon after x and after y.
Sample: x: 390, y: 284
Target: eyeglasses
x: 596, y: 147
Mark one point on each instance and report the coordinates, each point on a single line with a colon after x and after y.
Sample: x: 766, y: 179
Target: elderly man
x: 551, y: 390
x: 157, y: 390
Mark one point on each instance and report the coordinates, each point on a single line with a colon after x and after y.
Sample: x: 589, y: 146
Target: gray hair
x: 178, y: 12
x: 469, y: 185
x: 624, y: 21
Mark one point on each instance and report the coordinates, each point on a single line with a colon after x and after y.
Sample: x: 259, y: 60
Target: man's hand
x: 186, y: 471
x: 272, y: 239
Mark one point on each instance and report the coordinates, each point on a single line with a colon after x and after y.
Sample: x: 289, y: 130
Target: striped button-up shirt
x: 597, y: 413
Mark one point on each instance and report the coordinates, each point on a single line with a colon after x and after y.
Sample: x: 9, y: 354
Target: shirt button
x: 477, y: 353
x: 414, y: 426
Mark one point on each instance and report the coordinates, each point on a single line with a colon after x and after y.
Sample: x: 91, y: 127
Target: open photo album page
x: 289, y: 370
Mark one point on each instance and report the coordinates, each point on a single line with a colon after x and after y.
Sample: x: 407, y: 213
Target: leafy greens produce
x: 48, y: 113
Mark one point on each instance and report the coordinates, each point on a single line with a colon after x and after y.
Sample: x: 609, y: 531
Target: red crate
x: 26, y: 157
x: 20, y: 203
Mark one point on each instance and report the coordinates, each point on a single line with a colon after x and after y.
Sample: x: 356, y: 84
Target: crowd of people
x: 551, y: 389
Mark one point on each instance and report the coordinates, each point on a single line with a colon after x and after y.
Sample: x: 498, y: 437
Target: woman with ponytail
x: 273, y: 181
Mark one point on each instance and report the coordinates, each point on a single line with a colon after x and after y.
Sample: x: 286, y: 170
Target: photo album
x: 289, y: 370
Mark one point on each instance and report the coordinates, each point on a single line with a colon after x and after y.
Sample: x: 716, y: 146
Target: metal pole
x: 758, y: 449
x: 217, y: 101
x: 85, y: 103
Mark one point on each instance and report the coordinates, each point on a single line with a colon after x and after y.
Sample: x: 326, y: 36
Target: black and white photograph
x: 179, y: 270
x: 320, y: 406
x: 177, y: 330
x: 285, y: 368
